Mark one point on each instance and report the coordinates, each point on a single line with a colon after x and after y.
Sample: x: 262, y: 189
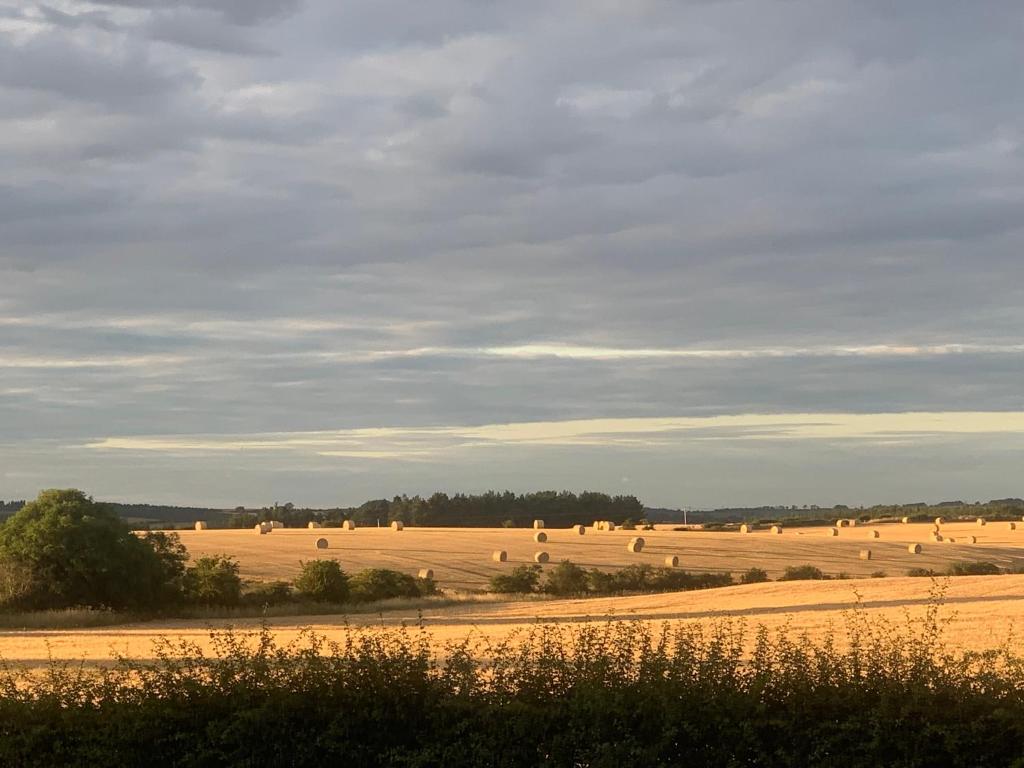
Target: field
x: 461, y: 557
x: 981, y: 610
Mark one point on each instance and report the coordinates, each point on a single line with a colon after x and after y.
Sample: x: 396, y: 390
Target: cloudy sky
x: 704, y: 252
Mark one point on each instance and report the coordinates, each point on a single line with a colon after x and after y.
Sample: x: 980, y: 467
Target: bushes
x: 975, y: 568
x: 621, y: 693
x: 962, y: 568
x: 323, y: 581
x: 802, y: 573
x: 382, y: 584
x: 565, y: 579
x: 213, y: 581
x: 272, y: 593
x: 754, y: 576
x: 523, y: 579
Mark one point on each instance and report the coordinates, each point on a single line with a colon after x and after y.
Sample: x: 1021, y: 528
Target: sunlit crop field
x: 461, y: 557
x: 981, y: 610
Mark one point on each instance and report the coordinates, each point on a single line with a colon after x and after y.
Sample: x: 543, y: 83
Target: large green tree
x: 67, y: 550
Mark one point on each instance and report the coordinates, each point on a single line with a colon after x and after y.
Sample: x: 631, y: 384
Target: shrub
x: 754, y: 576
x: 802, y: 573
x: 383, y: 584
x: 213, y: 581
x: 878, y: 574
x: 322, y: 581
x: 523, y: 579
x: 65, y: 550
x: 272, y: 593
x: 920, y: 572
x: 975, y: 568
x: 566, y: 579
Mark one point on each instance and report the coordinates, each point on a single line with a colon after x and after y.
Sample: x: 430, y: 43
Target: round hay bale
x: 541, y: 557
x: 841, y: 523
x: 426, y: 573
x: 499, y: 556
x: 852, y: 522
x: 939, y: 521
x: 260, y: 529
x: 865, y: 554
x: 1012, y: 526
x: 971, y: 539
x: 873, y: 534
x: 914, y: 549
x: 313, y: 525
x: 397, y: 525
x: 538, y: 524
x: 904, y: 520
x: 980, y: 522
x: 776, y: 529
x: 348, y: 525
x: 201, y: 525
x: 598, y: 525
x: 540, y: 537
x: 636, y: 544
x: 672, y: 561
x: 275, y: 524
x: 609, y: 525
x: 833, y: 531
x: 321, y: 543
x: 746, y: 528
x: 580, y: 529
x: 949, y: 540
x: 936, y: 537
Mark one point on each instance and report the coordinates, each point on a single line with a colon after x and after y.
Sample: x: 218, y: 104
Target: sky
x: 706, y: 253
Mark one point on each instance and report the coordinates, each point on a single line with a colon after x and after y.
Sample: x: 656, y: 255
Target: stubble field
x: 981, y: 611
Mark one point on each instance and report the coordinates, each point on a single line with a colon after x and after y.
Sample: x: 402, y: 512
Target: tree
x: 382, y: 584
x: 522, y: 579
x: 213, y: 581
x: 323, y: 581
x: 566, y: 578
x: 754, y: 576
x: 68, y: 550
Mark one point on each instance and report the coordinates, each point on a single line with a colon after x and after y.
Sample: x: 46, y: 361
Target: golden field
x: 461, y: 557
x: 981, y: 610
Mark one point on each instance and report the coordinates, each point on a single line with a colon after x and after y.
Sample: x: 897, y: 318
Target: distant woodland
x: 556, y: 508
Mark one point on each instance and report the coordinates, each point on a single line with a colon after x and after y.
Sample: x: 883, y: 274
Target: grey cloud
x: 243, y: 12
x: 463, y: 174
x: 125, y: 80
x: 202, y: 30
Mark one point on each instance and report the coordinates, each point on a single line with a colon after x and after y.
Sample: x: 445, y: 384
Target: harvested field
x: 981, y: 611
x: 461, y: 557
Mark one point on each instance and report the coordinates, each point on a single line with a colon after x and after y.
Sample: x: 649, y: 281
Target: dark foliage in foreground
x: 608, y: 695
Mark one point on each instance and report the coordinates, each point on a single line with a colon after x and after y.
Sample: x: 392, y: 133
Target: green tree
x: 382, y: 584
x: 802, y: 573
x: 213, y: 581
x: 64, y: 549
x: 754, y: 576
x: 566, y: 578
x: 322, y: 581
x: 522, y: 580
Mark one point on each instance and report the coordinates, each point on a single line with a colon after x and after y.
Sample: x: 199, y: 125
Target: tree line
x: 558, y: 509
